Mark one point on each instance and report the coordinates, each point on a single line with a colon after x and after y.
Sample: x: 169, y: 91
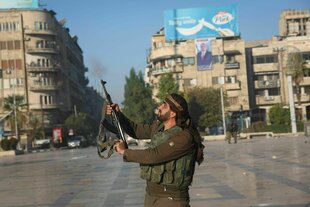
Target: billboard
x: 19, y: 4
x: 194, y: 23
x: 204, y: 53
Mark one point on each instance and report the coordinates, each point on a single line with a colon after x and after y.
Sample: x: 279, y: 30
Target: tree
x: 81, y: 124
x: 205, y: 106
x: 278, y: 114
x: 20, y: 116
x: 296, y: 67
x: 167, y: 85
x: 138, y: 103
x: 35, y: 127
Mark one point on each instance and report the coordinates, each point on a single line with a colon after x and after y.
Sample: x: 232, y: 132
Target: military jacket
x: 178, y: 148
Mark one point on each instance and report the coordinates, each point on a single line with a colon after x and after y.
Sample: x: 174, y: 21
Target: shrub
x: 13, y: 143
x: 5, y: 144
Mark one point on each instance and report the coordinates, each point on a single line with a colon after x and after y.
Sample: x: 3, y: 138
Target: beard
x: 162, y: 117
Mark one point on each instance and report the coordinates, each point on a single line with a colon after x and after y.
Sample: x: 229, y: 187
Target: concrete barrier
x: 11, y: 153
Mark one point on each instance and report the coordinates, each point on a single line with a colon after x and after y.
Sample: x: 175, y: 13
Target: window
x: 18, y: 63
x: 10, y: 45
x: 12, y: 64
x: 217, y: 59
x: 273, y: 92
x: 265, y: 59
x: 233, y: 100
x: 188, y: 61
x: 215, y: 80
x: 3, y: 45
x: 17, y: 44
x: 306, y: 56
x: 231, y: 79
x: 259, y: 77
x: 230, y: 58
x: 259, y: 92
x: 4, y: 64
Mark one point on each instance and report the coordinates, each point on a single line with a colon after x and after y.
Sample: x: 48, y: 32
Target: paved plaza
x: 256, y: 172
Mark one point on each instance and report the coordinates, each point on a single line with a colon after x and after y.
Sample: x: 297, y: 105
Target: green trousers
x: 154, y: 201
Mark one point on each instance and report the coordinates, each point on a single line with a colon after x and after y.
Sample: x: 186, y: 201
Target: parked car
x: 42, y: 143
x: 77, y: 142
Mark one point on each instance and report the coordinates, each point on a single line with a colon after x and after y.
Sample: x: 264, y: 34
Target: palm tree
x: 296, y: 67
x: 9, y: 106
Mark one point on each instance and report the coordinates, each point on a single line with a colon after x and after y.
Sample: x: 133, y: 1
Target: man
x: 232, y: 131
x: 204, y: 57
x: 168, y: 165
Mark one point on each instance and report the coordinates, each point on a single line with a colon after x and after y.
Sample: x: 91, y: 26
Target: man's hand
x: 111, y: 107
x: 119, y: 147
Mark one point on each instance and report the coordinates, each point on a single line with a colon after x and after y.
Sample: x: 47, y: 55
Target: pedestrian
x: 168, y: 165
x: 232, y: 131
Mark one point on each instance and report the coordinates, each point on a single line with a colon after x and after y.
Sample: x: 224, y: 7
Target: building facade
x: 294, y: 23
x: 253, y: 75
x: 268, y: 66
x: 42, y: 62
x: 179, y: 58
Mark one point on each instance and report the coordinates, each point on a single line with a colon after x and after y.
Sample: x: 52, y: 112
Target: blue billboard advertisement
x: 194, y: 23
x: 19, y: 4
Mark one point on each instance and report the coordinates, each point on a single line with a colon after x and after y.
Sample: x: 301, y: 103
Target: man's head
x: 174, y: 107
x: 203, y: 47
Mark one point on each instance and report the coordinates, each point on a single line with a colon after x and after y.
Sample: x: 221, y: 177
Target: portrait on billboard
x: 203, y: 54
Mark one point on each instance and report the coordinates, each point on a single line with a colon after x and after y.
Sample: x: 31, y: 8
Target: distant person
x: 232, y: 131
x: 204, y: 57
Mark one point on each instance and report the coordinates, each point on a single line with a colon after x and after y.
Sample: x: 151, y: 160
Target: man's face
x: 163, y: 112
x: 203, y: 47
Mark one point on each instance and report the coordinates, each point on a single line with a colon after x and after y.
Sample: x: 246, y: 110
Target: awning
x: 167, y: 57
x: 232, y: 52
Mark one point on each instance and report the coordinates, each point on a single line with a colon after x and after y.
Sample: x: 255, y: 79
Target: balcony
x: 231, y: 65
x: 42, y: 87
x: 267, y: 100
x: 40, y: 32
x: 261, y: 84
x: 49, y: 106
x: 303, y: 98
x: 160, y: 71
x: 267, y: 67
x: 305, y: 81
x: 43, y: 50
x: 37, y: 68
x: 232, y: 86
x: 162, y: 52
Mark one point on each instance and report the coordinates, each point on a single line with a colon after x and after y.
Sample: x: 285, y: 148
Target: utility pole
x: 42, y: 116
x: 9, y: 72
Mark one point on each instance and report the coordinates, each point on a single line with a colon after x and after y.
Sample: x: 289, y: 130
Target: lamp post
x: 290, y: 87
x: 8, y: 71
x: 223, y: 111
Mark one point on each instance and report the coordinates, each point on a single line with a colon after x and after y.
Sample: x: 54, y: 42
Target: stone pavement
x: 257, y: 172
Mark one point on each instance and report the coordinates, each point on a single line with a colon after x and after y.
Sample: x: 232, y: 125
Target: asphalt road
x: 257, y: 172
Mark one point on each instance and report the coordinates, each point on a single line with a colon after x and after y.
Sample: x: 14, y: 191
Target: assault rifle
x: 115, y: 127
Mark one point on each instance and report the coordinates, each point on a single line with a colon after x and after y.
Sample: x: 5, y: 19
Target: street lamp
x: 290, y: 87
x: 9, y: 72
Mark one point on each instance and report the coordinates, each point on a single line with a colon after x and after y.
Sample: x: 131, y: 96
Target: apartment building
x: 253, y: 74
x: 268, y: 68
x: 179, y: 58
x: 294, y: 23
x: 41, y: 61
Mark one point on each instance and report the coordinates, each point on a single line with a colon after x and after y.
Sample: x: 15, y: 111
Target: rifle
x: 102, y: 142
